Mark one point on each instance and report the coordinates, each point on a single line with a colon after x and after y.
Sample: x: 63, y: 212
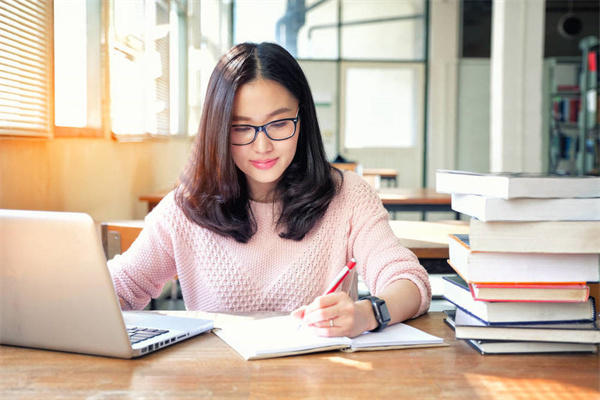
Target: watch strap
x: 380, y: 310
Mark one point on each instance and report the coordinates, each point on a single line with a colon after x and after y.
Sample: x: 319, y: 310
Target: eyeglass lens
x: 276, y: 130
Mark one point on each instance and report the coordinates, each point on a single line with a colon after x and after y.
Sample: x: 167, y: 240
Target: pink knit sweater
x: 218, y: 274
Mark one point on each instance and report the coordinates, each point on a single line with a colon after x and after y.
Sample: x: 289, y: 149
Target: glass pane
x: 70, y: 63
x: 306, y: 29
x: 140, y: 67
x: 380, y: 107
x: 318, y: 37
x: 383, y: 30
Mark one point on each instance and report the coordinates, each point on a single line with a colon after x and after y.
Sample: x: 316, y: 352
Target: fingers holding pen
x: 329, y: 315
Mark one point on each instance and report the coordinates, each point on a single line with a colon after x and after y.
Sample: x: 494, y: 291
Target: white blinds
x: 25, y: 67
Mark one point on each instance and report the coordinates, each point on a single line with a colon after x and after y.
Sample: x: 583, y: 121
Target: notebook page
x: 275, y: 337
x: 395, y: 335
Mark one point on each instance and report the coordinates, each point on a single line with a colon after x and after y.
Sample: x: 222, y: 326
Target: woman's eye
x: 241, y: 129
x: 278, y: 125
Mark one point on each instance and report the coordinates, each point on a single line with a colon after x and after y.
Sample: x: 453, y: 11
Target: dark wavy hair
x: 213, y: 192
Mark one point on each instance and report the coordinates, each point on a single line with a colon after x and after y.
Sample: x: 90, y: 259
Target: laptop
x: 56, y: 292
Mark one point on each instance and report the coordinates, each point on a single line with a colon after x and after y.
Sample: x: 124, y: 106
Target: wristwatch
x: 382, y: 315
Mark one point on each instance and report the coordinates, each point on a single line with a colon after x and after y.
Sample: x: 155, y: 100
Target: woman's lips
x: 264, y: 164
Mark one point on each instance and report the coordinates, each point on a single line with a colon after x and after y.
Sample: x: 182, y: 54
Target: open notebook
x: 284, y: 336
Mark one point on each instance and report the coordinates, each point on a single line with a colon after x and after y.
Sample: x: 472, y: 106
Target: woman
x: 260, y: 221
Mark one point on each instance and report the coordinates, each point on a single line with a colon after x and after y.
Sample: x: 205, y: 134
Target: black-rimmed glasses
x: 281, y: 129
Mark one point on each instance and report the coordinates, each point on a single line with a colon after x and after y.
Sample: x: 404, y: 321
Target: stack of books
x: 526, y: 267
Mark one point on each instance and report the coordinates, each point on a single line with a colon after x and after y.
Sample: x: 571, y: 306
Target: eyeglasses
x: 280, y: 129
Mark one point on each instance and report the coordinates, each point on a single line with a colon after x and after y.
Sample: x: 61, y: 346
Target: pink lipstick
x: 264, y: 164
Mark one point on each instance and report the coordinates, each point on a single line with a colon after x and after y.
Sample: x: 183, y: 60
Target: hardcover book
x: 509, y: 185
x: 456, y: 291
x: 486, y: 208
x: 488, y: 267
x: 519, y: 347
x: 468, y: 327
x: 530, y: 292
x: 535, y: 237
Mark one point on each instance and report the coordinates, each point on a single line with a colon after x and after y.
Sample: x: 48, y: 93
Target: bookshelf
x: 572, y: 112
x: 562, y: 110
x: 588, y: 160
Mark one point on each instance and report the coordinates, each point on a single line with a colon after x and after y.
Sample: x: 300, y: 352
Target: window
x: 25, y: 82
x: 147, y: 40
x: 84, y: 68
x: 308, y: 30
x: 376, y: 113
x: 379, y: 47
x: 78, y: 79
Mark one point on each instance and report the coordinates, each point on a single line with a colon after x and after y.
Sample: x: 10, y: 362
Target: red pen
x: 340, y: 277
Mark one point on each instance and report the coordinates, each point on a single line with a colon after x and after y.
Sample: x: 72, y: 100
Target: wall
x: 98, y: 176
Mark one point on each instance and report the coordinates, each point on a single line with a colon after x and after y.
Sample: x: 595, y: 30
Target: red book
x: 567, y: 292
x: 574, y: 105
x: 592, y: 61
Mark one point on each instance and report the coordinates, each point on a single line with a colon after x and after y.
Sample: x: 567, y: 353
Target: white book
x: 486, y: 208
x: 285, y: 336
x: 535, y: 236
x: 510, y: 185
x: 501, y: 267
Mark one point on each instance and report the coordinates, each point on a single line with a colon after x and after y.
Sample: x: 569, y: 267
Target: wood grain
x: 205, y: 367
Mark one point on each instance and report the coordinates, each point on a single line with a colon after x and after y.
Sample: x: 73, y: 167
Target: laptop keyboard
x: 137, y: 335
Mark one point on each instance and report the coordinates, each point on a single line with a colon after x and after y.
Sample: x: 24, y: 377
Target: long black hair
x: 213, y: 192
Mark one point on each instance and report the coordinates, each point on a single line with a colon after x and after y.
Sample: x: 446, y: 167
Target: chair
x: 118, y: 236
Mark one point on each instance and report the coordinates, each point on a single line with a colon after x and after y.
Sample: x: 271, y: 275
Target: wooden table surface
x: 205, y: 367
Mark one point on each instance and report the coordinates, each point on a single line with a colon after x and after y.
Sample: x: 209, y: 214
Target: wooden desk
x: 389, y: 175
x: 428, y: 239
x: 205, y: 367
x: 153, y: 198
x: 415, y: 199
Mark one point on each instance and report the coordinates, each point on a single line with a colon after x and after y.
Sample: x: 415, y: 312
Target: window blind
x: 25, y: 67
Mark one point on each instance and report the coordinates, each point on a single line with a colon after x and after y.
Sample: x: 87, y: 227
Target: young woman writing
x: 261, y: 221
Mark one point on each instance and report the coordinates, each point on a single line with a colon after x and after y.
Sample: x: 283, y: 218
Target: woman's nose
x: 262, y: 143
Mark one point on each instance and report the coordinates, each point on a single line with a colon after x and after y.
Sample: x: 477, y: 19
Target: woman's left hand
x: 337, y: 314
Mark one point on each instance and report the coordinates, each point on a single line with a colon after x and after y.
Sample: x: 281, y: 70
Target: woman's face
x: 264, y: 160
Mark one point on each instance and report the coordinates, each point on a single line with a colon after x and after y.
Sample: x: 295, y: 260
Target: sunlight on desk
x: 361, y: 365
x: 502, y: 387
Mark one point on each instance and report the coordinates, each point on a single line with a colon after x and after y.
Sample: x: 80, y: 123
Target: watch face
x: 385, y: 314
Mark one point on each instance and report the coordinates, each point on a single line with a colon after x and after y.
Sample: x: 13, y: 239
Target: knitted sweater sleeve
x: 381, y: 258
x: 140, y: 273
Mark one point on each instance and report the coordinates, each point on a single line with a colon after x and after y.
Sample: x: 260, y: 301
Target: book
x: 487, y: 267
x: 535, y: 237
x: 468, y: 327
x: 519, y: 347
x: 284, y: 336
x: 509, y: 185
x: 456, y: 291
x: 486, y: 208
x: 530, y: 292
